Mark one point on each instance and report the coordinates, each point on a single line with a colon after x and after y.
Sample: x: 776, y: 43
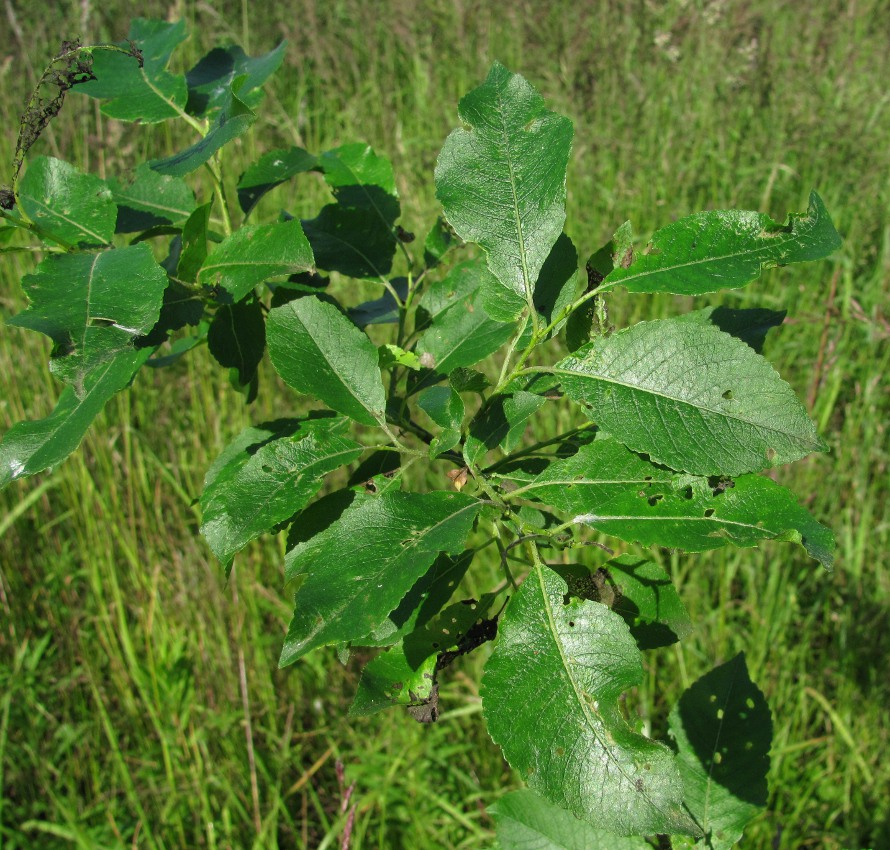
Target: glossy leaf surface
x: 618, y: 492
x: 358, y: 569
x: 67, y: 204
x: 709, y: 251
x: 317, y: 350
x: 550, y: 697
x: 502, y: 181
x: 267, y: 482
x: 254, y: 253
x: 390, y: 680
x: 527, y: 821
x: 691, y: 397
x: 723, y: 730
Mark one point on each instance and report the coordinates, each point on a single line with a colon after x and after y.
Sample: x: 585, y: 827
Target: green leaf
x: 460, y: 336
x: 361, y: 179
x: 446, y: 408
x: 501, y: 421
x: 271, y: 170
x: 640, y: 591
x: 146, y: 94
x: 254, y: 253
x: 383, y: 310
x: 557, y: 285
x: 502, y: 182
x: 193, y: 244
x: 439, y: 241
x: 67, y: 204
x: 722, y: 728
x: 468, y: 380
x: 710, y: 251
x: 461, y: 281
x: 390, y: 680
x: 237, y: 338
x: 526, y: 821
x: 318, y: 351
x: 422, y: 603
x: 616, y: 491
x: 391, y: 355
x: 150, y: 199
x: 212, y: 77
x: 232, y: 121
x: 93, y: 306
x: 750, y: 325
x: 358, y: 569
x: 447, y: 629
x: 691, y: 397
x: 31, y: 447
x: 263, y: 485
x: 550, y: 697
x: 353, y: 241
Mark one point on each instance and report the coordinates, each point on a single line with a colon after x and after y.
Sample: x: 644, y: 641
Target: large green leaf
x: 149, y: 93
x: 691, y: 397
x: 92, y: 305
x: 502, y: 181
x: 254, y: 253
x: 31, y: 447
x: 358, y: 569
x: 271, y: 170
x: 618, y: 492
x: 67, y: 204
x: 709, y: 251
x: 362, y: 179
x: 550, y: 697
x: 500, y: 422
x: 526, y: 821
x: 461, y: 281
x: 210, y: 80
x: 237, y: 338
x: 317, y: 350
x: 723, y: 730
x: 234, y: 119
x: 263, y: 485
x: 150, y: 199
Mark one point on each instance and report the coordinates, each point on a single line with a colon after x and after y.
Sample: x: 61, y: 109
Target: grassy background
x: 140, y: 703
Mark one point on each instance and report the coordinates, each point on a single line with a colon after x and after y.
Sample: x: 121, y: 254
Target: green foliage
x: 673, y: 418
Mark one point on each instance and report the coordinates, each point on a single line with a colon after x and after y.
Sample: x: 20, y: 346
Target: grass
x: 140, y: 702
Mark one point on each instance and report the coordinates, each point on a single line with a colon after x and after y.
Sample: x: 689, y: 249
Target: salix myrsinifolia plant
x: 424, y: 396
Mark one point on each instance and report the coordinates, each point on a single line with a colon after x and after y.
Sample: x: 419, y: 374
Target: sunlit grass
x: 140, y: 701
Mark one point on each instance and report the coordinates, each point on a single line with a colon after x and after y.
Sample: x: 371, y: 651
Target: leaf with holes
x: 356, y: 570
x: 726, y: 249
x: 691, y: 397
x: 618, y: 492
x: 550, y: 698
x: 502, y: 182
x: 723, y: 730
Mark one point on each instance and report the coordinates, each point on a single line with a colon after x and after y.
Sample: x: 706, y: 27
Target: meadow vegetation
x: 140, y: 700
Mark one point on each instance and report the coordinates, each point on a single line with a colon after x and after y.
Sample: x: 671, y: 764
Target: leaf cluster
x: 414, y: 470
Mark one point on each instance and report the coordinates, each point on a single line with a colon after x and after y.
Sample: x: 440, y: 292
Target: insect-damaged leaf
x: 147, y: 93
x: 550, y: 698
x: 691, y: 397
x: 502, y: 181
x: 93, y: 306
x: 526, y: 821
x: 267, y: 482
x: 358, y: 568
x: 254, y: 253
x: 66, y: 203
x: 390, y: 680
x: 317, y: 350
x: 709, y: 251
x: 616, y: 491
x: 723, y: 730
